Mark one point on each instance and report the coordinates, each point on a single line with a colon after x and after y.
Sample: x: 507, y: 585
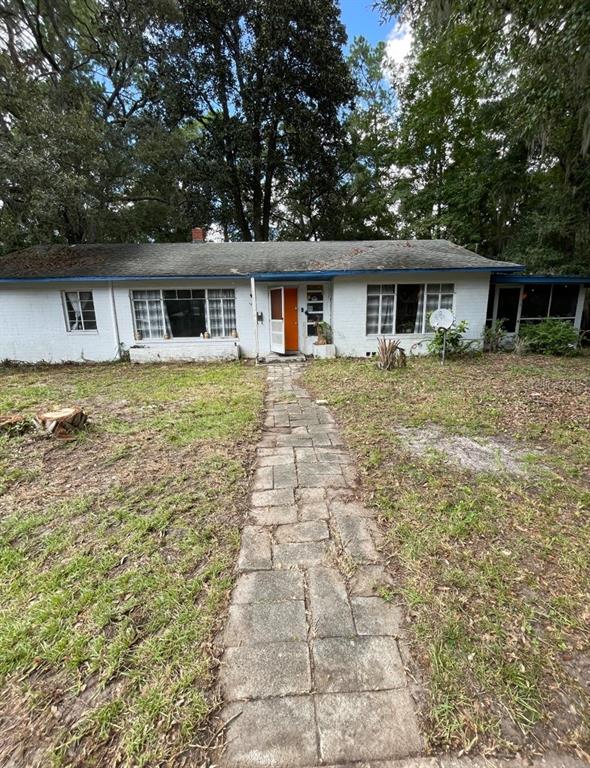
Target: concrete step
x: 275, y: 359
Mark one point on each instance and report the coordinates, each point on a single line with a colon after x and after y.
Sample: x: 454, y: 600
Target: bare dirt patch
x: 486, y: 454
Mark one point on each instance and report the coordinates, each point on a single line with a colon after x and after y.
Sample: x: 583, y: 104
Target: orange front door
x: 291, y: 321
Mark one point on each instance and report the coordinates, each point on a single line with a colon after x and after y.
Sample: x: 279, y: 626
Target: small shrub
x: 551, y: 337
x: 456, y: 345
x: 493, y: 337
x: 390, y: 354
x: 323, y: 332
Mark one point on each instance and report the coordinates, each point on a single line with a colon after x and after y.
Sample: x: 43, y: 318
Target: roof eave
x: 541, y: 279
x: 264, y: 276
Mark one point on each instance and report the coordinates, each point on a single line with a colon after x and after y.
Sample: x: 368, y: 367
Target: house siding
x: 33, y: 327
x: 350, y: 307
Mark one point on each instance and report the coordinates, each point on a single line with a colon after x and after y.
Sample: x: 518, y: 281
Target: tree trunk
x: 62, y: 423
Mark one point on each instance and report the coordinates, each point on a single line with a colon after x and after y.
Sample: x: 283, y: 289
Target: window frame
x: 314, y: 288
x: 64, y: 304
x: 425, y: 287
x: 167, y: 332
x: 530, y: 320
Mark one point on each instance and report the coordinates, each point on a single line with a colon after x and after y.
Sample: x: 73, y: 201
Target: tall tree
x: 265, y: 80
x: 84, y: 153
x: 370, y: 194
x: 495, y: 121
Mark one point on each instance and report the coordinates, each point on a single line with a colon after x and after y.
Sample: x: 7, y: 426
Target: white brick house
x: 194, y: 301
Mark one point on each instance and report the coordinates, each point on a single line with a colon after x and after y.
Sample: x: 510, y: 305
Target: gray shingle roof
x: 234, y: 259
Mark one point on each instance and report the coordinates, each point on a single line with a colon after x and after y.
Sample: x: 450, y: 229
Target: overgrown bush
x: 456, y: 344
x: 551, y: 337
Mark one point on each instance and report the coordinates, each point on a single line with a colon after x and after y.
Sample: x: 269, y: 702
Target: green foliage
x: 494, y: 130
x: 455, y: 344
x: 369, y: 190
x: 551, y: 337
x: 265, y: 82
x: 131, y: 121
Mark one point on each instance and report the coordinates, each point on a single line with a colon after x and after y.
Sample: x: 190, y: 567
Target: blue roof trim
x: 528, y: 279
x: 118, y: 278
x: 330, y: 273
x: 266, y: 276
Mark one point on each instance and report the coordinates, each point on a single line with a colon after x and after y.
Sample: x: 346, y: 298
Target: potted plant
x: 323, y: 346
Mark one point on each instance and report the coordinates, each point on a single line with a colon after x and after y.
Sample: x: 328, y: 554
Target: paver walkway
x: 312, y: 672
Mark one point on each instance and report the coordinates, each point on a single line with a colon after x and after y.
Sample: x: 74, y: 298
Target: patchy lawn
x: 493, y: 565
x: 116, y: 559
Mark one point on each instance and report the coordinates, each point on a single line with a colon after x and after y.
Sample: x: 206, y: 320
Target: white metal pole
x: 115, y: 320
x: 254, y: 315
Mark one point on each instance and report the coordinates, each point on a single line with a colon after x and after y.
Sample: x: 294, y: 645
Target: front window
x: 80, y: 315
x: 185, y: 312
x: 405, y: 307
x: 380, y: 308
x: 315, y: 308
x: 188, y: 313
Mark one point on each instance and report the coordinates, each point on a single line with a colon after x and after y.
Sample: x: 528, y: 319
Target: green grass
x: 117, y: 554
x: 493, y: 568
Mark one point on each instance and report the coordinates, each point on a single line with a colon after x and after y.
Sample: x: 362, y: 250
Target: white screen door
x: 277, y: 320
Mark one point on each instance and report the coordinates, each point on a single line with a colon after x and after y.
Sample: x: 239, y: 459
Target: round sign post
x: 442, y: 320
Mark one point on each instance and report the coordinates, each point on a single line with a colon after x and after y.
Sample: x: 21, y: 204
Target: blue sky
x: 360, y: 18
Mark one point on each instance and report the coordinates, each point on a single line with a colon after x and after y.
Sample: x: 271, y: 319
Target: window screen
x: 185, y: 310
x: 564, y: 300
x: 535, y: 301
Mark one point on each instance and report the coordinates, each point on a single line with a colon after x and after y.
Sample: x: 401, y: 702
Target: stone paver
x: 312, y: 672
x: 265, y: 623
x: 272, y: 669
x: 376, y: 725
x: 313, y: 530
x: 268, y: 586
x: 270, y: 732
x: 349, y: 664
x: 374, y: 616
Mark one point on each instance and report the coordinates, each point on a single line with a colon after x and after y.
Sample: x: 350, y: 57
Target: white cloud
x: 398, y: 45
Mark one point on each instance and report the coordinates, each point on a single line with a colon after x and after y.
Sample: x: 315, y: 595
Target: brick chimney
x: 198, y: 234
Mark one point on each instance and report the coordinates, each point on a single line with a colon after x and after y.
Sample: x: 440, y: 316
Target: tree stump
x: 62, y: 423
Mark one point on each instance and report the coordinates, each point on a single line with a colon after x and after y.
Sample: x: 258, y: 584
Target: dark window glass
x: 80, y: 311
x: 535, y: 300
x: 409, y: 308
x: 564, y: 300
x: 508, y: 299
x: 186, y: 317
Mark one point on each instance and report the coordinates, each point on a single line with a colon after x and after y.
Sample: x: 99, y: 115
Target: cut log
x: 61, y: 423
x: 14, y: 424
